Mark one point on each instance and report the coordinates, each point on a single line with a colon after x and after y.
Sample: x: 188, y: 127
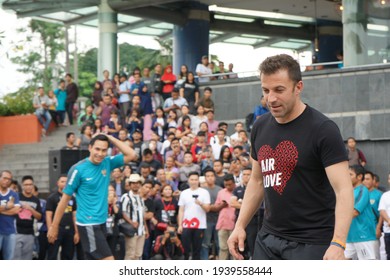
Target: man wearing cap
x: 133, y: 210
x: 41, y: 105
x: 202, y: 69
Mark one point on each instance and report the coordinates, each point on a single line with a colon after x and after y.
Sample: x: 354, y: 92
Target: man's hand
x: 180, y: 230
x: 52, y: 234
x: 334, y: 253
x: 76, y: 238
x: 236, y: 243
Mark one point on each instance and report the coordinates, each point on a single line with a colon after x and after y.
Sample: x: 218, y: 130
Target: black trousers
x: 65, y: 240
x: 271, y: 247
x: 192, y: 238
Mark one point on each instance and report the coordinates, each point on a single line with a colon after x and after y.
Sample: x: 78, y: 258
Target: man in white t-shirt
x: 194, y: 203
x: 384, y: 208
x: 202, y: 69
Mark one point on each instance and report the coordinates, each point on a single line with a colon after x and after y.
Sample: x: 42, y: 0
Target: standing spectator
x: 30, y: 210
x: 41, y: 105
x: 211, y: 233
x: 146, y: 79
x: 52, y: 107
x: 113, y: 218
x: 226, y: 217
x: 182, y: 76
x: 92, y: 195
x: 61, y: 95
x: 168, y: 80
x: 206, y: 100
x: 147, y: 111
x: 355, y: 156
x: 221, y: 71
x: 72, y: 94
x: 234, y: 137
x: 219, y: 174
x: 232, y: 75
x: 217, y: 146
x: 159, y: 123
x: 211, y: 122
x: 190, y: 91
x: 9, y: 208
x: 105, y: 109
x: 198, y: 119
x: 361, y: 240
x: 260, y: 110
x: 174, y: 102
x: 187, y: 168
x: 194, y: 203
x: 133, y: 212
x: 97, y: 95
x: 116, y: 82
x: 156, y: 87
x: 124, y: 97
x: 67, y: 232
x: 107, y: 82
x: 202, y: 70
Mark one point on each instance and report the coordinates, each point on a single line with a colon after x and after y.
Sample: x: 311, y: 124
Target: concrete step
x: 25, y: 165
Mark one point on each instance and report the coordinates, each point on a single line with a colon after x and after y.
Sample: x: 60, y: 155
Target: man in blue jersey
x: 89, y: 180
x: 361, y: 240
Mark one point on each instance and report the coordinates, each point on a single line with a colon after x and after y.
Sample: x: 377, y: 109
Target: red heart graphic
x: 277, y: 165
x: 193, y: 223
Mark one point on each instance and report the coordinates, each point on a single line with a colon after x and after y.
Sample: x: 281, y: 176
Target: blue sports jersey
x: 90, y: 182
x: 362, y: 226
x: 375, y: 197
x: 7, y: 223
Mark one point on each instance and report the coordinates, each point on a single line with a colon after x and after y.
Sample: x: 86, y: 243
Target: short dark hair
x: 148, y: 181
x: 351, y: 138
x: 201, y: 133
x: 376, y: 177
x: 27, y: 177
x: 99, y: 137
x: 359, y: 170
x: 208, y: 88
x: 144, y: 165
x: 62, y: 81
x: 188, y: 153
x: 207, y: 170
x: 218, y: 160
x: 273, y: 64
x: 147, y: 151
x: 222, y: 124
x: 238, y: 123
x: 193, y: 173
x: 222, y: 130
x: 62, y: 176
x: 5, y: 171
x: 69, y: 134
x: 247, y: 168
x: 370, y: 173
x: 229, y: 177
x: 69, y: 75
x: 238, y: 147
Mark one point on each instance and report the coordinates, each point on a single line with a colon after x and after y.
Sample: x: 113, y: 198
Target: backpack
x: 249, y: 121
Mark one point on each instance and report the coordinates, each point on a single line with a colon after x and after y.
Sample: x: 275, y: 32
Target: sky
x: 241, y: 56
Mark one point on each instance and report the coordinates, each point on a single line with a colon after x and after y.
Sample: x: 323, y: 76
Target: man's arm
x: 52, y: 232
x: 11, y: 211
x: 234, y: 202
x: 180, y: 220
x: 384, y: 216
x: 253, y: 197
x: 126, y: 150
x: 340, y: 180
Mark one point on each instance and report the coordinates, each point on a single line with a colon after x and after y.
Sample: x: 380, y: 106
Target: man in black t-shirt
x: 67, y: 231
x: 301, y: 173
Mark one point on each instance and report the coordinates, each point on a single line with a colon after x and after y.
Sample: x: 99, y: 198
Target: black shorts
x: 93, y: 241
x: 271, y: 247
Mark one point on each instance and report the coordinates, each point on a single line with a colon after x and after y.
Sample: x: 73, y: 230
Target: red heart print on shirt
x: 277, y: 165
x: 193, y: 223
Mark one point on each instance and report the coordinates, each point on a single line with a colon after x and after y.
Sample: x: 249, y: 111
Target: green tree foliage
x: 18, y: 103
x: 40, y: 61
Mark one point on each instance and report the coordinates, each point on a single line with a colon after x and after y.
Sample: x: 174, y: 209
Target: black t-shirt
x: 189, y: 91
x: 299, y: 200
x: 52, y: 203
x: 170, y: 215
x: 25, y: 219
x: 239, y: 193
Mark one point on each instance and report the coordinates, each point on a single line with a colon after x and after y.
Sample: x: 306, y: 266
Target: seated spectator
x: 234, y: 137
x: 207, y: 159
x: 226, y: 157
x: 185, y: 170
x: 97, y: 95
x: 172, y: 119
x: 97, y: 127
x: 168, y: 246
x: 41, y: 104
x: 114, y: 125
x: 134, y: 121
x: 223, y: 126
x: 174, y: 102
x: 147, y: 157
x: 206, y: 101
x: 185, y: 128
x: 260, y: 110
x: 87, y: 117
x: 105, y: 108
x: 212, y: 124
x: 123, y: 136
x: 199, y: 147
x: 171, y: 171
x: 182, y: 76
x: 184, y: 112
x: 217, y: 146
x: 176, y: 152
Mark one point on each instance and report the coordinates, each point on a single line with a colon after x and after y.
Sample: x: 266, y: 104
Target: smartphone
x: 172, y: 234
x: 195, y: 196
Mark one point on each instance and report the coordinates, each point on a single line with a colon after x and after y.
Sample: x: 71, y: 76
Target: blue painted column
x: 191, y: 41
x: 330, y: 40
x: 108, y: 28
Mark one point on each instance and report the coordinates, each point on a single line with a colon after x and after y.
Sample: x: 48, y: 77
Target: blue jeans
x: 7, y: 244
x: 44, y: 118
x: 209, y: 233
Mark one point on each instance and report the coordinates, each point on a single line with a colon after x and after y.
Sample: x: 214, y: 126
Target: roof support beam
x: 134, y: 4
x: 60, y: 7
x: 137, y: 24
x: 82, y: 19
x: 222, y: 38
x: 158, y: 14
x: 267, y: 43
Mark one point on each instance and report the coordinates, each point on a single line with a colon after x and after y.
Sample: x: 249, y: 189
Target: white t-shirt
x: 384, y: 204
x: 194, y: 216
x: 204, y: 70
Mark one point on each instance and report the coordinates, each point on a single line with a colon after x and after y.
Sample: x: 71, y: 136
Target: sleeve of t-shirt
x: 181, y: 199
x: 50, y: 204
x: 73, y: 182
x: 151, y: 206
x: 197, y: 69
x: 16, y: 198
x: 219, y: 198
x: 116, y: 161
x: 253, y: 135
x: 330, y: 145
x: 39, y: 208
x: 207, y: 199
x: 382, y: 203
x: 364, y: 200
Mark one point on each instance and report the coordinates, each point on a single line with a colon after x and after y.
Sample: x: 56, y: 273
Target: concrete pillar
x: 191, y: 41
x: 108, y: 28
x: 330, y: 41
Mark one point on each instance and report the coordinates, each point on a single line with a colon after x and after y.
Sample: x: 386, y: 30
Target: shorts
x: 94, y: 242
x: 366, y: 250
